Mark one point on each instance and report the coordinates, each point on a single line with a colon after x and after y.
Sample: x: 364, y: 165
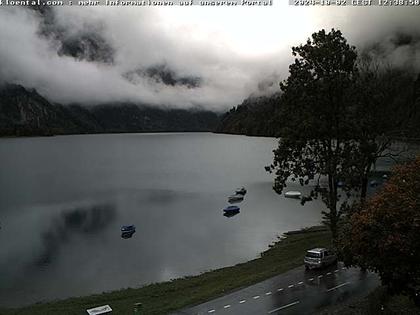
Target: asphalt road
x: 295, y: 292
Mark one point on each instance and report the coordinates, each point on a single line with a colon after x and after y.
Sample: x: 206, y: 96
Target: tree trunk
x: 333, y: 215
x: 363, y: 192
x: 334, y: 223
x: 365, y: 182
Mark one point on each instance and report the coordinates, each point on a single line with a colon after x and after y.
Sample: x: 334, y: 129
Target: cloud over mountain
x: 182, y: 57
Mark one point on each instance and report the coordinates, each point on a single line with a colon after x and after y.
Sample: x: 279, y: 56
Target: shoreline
x: 165, y: 297
x: 100, y: 133
x: 413, y: 140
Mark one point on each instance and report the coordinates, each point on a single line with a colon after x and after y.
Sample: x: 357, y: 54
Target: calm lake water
x: 63, y: 201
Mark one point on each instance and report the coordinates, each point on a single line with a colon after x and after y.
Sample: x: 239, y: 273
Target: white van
x: 319, y: 257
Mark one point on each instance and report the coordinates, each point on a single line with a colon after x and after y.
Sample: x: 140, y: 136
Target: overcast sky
x: 235, y: 51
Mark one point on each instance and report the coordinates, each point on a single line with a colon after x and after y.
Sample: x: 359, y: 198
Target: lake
x: 64, y: 199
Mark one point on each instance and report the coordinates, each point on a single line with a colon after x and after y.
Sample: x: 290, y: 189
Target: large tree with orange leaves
x: 385, y: 235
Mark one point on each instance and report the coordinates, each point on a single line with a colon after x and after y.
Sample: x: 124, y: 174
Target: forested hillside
x: 256, y: 116
x: 24, y: 112
x: 262, y: 116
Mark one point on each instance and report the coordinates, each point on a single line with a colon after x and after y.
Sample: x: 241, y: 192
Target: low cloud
x: 211, y: 57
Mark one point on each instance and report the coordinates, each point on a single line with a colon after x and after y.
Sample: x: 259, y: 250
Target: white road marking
x: 300, y: 283
x: 226, y: 306
x: 283, y: 307
x: 338, y: 286
x: 312, y: 279
x: 256, y: 297
x: 279, y: 289
x: 291, y: 286
x: 242, y: 302
x: 211, y: 311
x: 268, y: 293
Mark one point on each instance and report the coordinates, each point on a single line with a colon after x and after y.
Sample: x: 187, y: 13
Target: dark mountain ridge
x: 24, y: 112
x: 262, y: 116
x: 256, y: 116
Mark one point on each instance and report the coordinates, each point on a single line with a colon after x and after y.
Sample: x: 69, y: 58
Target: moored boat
x: 235, y: 198
x: 230, y: 214
x: 231, y: 209
x: 128, y: 228
x: 293, y: 194
x: 127, y: 231
x: 240, y: 191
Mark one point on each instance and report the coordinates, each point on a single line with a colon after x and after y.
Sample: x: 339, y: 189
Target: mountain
x: 256, y: 116
x: 163, y: 74
x: 88, y: 43
x: 141, y: 118
x: 261, y: 116
x: 24, y: 112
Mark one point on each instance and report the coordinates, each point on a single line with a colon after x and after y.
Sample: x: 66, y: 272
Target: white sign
x: 99, y: 310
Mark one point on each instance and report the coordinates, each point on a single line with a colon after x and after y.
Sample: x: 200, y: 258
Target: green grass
x: 162, y: 298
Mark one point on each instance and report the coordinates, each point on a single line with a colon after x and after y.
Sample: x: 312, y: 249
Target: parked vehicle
x: 319, y: 257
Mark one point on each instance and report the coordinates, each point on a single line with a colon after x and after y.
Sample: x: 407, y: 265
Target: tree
x: 384, y: 235
x: 316, y: 138
x: 383, y: 101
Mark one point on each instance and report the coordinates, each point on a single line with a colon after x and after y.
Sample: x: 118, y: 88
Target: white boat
x: 235, y: 198
x: 293, y: 194
x: 99, y: 310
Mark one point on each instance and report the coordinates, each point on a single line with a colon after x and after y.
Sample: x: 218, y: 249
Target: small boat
x: 240, y: 191
x: 293, y: 194
x: 374, y: 183
x: 230, y: 214
x: 128, y: 229
x: 231, y: 209
x: 235, y: 198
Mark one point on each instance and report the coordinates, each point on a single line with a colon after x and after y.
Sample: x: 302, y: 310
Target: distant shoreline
x: 406, y: 140
x: 100, y: 133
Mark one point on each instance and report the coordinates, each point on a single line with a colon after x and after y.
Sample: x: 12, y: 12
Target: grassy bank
x: 162, y: 298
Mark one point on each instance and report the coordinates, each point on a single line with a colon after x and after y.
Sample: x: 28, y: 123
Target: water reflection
x: 126, y: 235
x: 78, y: 221
x: 235, y: 201
x: 230, y: 214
